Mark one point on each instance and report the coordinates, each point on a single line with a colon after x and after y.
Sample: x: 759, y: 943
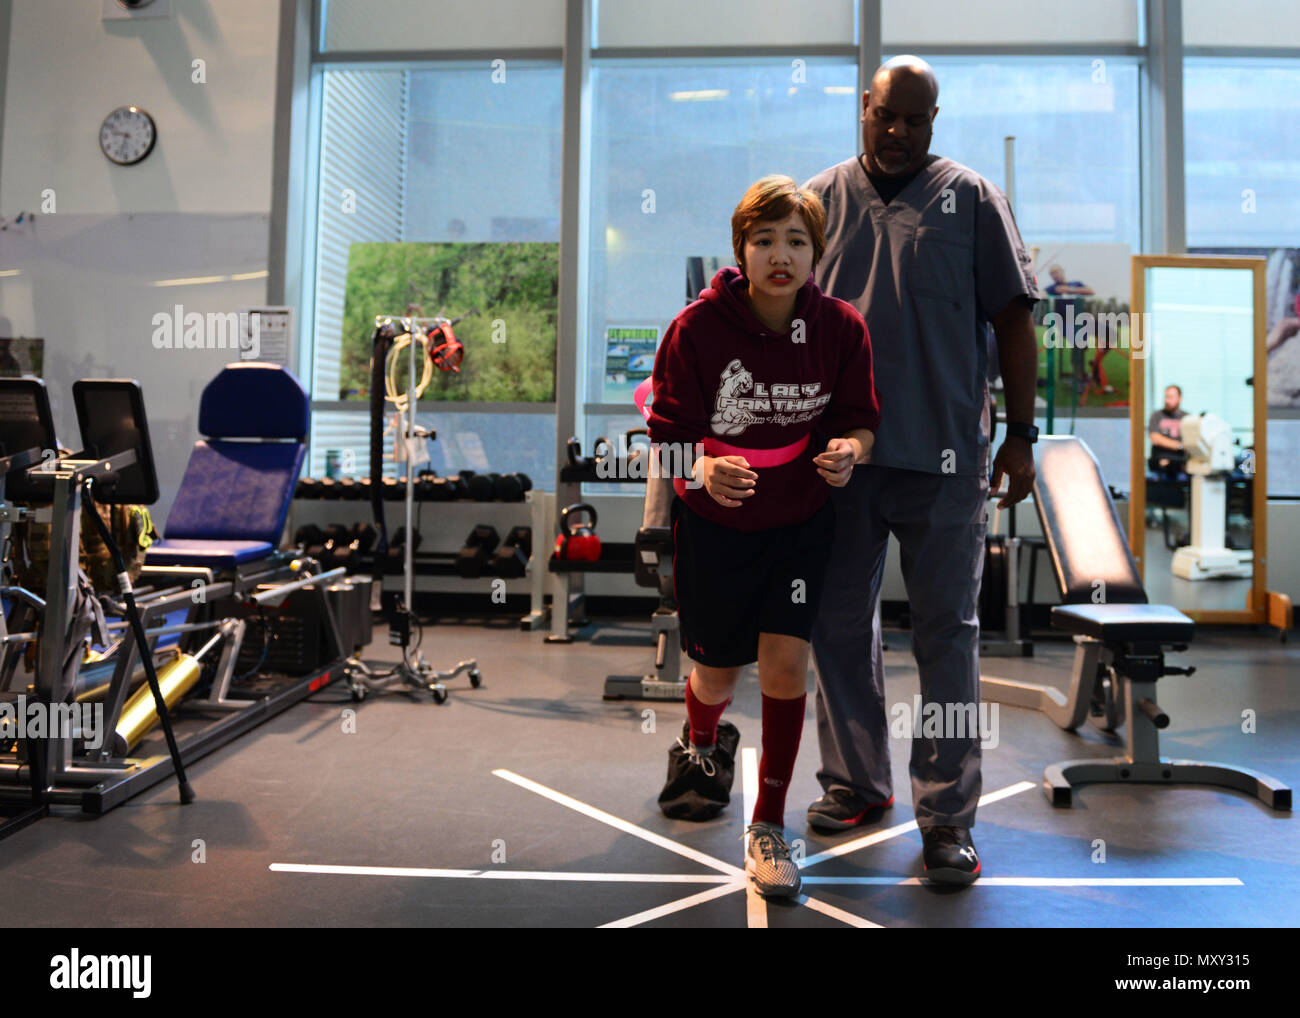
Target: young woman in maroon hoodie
x: 773, y: 378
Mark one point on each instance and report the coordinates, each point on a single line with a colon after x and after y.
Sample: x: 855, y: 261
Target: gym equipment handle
x: 1153, y: 710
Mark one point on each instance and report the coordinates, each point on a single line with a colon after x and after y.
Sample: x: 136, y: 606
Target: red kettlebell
x: 577, y: 540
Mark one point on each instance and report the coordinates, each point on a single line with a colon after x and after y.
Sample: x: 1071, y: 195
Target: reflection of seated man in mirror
x: 1167, y: 454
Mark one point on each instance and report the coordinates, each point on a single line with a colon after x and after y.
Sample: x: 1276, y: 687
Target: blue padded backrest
x: 249, y: 399
x: 236, y: 491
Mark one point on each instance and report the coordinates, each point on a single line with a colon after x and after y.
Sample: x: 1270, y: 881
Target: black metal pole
x: 146, y: 655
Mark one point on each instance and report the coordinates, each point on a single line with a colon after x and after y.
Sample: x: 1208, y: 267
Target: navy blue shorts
x: 733, y: 584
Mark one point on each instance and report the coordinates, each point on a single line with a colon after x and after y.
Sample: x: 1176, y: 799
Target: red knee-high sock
x: 703, y: 717
x: 782, y: 728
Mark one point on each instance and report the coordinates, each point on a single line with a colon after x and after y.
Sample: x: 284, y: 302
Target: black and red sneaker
x: 841, y: 809
x: 950, y: 856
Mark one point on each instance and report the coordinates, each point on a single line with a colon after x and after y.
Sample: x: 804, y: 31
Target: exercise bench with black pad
x: 1120, y: 641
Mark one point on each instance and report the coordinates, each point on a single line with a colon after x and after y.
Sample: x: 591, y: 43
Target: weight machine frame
x: 53, y: 773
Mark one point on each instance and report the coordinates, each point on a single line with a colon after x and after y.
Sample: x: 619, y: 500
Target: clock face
x: 127, y: 135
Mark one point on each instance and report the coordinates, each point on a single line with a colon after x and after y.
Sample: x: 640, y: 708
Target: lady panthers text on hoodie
x: 722, y: 374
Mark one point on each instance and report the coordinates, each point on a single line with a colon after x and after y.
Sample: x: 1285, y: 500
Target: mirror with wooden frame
x: 1199, y: 425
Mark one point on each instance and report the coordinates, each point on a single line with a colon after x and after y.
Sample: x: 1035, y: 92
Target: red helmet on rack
x: 445, y: 350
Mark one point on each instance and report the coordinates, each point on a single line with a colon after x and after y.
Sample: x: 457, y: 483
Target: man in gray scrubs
x: 928, y: 251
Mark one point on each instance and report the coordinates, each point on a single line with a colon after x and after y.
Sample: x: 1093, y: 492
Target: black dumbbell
x: 477, y: 552
x: 349, y: 489
x: 399, y: 538
x: 308, y: 487
x: 457, y: 487
x: 475, y: 486
x: 326, y: 554
x: 397, y: 548
x: 394, y: 489
x: 349, y: 544
x: 329, y: 488
x: 424, y: 485
x: 482, y: 487
x: 308, y: 536
x: 511, y: 559
x: 511, y: 487
x: 364, y: 534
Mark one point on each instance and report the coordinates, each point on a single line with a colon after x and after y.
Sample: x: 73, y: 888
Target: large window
x: 1075, y: 121
x: 452, y: 154
x: 463, y: 156
x: 1242, y: 130
x: 675, y: 146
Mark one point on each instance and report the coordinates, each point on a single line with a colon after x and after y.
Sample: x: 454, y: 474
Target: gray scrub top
x: 927, y: 272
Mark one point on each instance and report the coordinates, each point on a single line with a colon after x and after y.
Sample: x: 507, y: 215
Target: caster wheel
x: 358, y: 693
x: 439, y: 695
x: 475, y: 678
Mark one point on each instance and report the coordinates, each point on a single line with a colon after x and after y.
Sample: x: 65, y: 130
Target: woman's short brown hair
x: 772, y: 199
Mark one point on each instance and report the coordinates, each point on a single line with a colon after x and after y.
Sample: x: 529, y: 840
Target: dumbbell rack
x: 541, y: 514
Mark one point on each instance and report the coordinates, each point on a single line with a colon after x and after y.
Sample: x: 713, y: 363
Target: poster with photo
x: 508, y: 293
x: 1083, y: 320
x: 19, y: 357
x: 1281, y: 320
x: 629, y: 359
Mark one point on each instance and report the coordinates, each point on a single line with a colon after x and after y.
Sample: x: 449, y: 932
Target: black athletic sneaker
x: 841, y: 809
x: 699, y: 784
x: 950, y: 856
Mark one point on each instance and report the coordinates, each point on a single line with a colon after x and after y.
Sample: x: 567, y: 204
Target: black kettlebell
x: 599, y: 450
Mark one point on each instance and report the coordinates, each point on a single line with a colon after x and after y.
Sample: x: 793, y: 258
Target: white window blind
x: 362, y: 198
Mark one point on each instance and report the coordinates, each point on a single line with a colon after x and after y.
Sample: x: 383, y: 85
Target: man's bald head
x: 907, y: 67
x: 898, y: 114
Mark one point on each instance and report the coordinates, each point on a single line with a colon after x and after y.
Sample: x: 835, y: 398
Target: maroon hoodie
x: 722, y: 374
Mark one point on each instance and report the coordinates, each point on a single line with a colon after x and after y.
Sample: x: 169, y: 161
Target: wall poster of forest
x: 509, y: 344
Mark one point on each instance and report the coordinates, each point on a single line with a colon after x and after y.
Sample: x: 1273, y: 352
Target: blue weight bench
x: 233, y: 501
x: 1120, y: 640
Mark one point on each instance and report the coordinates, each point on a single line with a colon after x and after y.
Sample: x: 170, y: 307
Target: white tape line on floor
x: 622, y: 825
x: 418, y: 871
x: 755, y: 906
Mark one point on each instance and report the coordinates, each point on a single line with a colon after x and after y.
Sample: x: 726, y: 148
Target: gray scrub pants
x: 940, y: 521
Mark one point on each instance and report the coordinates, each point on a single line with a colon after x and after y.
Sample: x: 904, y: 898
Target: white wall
x: 199, y: 205
x: 68, y: 68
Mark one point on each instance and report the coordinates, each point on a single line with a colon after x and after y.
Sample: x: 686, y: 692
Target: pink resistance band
x: 755, y: 457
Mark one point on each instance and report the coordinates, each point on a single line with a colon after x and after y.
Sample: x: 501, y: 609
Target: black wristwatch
x: 1018, y: 429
